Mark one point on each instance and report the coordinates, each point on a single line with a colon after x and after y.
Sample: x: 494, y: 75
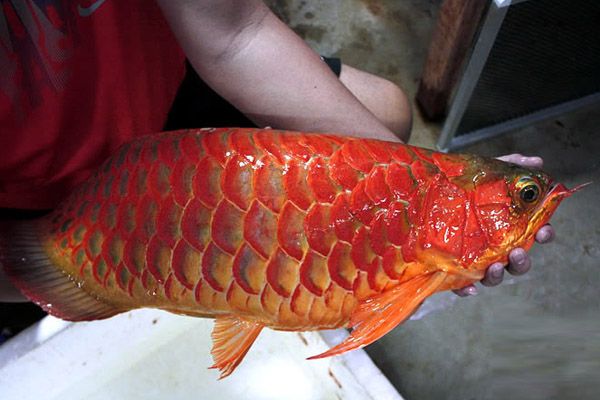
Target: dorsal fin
x: 378, y: 315
x: 232, y: 338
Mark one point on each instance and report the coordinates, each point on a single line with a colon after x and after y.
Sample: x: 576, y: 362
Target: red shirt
x: 77, y: 79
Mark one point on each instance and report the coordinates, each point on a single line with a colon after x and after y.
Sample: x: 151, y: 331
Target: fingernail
x: 497, y: 271
x: 543, y: 237
x: 518, y: 256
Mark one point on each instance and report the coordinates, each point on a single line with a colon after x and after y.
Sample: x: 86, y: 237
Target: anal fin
x: 378, y: 315
x: 232, y: 338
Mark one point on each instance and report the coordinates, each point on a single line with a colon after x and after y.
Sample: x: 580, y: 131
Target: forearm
x: 259, y: 65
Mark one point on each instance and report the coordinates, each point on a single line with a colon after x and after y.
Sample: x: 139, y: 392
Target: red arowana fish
x: 286, y: 230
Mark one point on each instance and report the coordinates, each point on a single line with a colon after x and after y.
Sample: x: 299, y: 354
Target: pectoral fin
x: 378, y: 315
x: 232, y: 338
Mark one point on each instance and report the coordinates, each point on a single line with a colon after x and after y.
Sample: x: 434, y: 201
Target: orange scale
x: 400, y: 180
x: 260, y: 229
x: 146, y: 215
x: 159, y: 180
x: 168, y: 222
x: 181, y: 181
x: 377, y: 277
x: 195, y: 224
x: 100, y: 270
x: 423, y: 154
x: 376, y: 187
x: 191, y: 147
x: 241, y: 143
x: 319, y: 144
x: 268, y: 184
x: 448, y: 165
x: 379, y: 151
x: 319, y: 181
x: 290, y: 231
x: 236, y: 182
x: 227, y: 227
x: 206, y: 183
x: 149, y: 153
x: 249, y: 270
x: 93, y: 242
x: 134, y: 254
x: 378, y: 232
x: 187, y: 264
x: 126, y: 222
x: 446, y: 218
x: 398, y: 224
x: 334, y: 297
x: 123, y: 277
x: 236, y: 297
x: 393, y: 263
x: 158, y: 259
x: 282, y: 273
x: 112, y: 250
x: 269, y: 141
x: 314, y: 275
x: 423, y: 171
x: 342, y: 172
x: 108, y: 216
x: 361, y: 205
x: 301, y: 301
x: 168, y: 149
x: 318, y: 229
x: 403, y: 154
x: 295, y: 184
x: 216, y: 268
x: 341, y: 218
x: 361, y: 253
x: 149, y: 283
x: 137, y: 182
x: 217, y: 146
x: 340, y: 266
x: 293, y: 146
x: 270, y: 300
x: 357, y: 156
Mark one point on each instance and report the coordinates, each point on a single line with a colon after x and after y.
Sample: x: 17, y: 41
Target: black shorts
x: 196, y: 105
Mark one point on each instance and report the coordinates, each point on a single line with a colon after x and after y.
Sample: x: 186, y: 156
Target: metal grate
x: 544, y: 59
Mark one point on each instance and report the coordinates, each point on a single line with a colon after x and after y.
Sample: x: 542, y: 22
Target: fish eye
x: 530, y: 193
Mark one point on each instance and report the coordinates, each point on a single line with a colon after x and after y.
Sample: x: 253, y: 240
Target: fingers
x: 470, y: 290
x: 493, y: 275
x: 545, y: 234
x: 523, y: 161
x: 519, y: 262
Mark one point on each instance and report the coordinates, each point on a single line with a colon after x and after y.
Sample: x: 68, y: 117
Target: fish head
x: 512, y: 203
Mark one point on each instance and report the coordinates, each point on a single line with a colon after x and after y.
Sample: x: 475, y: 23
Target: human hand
x: 519, y: 261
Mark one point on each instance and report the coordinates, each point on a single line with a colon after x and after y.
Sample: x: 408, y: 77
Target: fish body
x: 264, y: 228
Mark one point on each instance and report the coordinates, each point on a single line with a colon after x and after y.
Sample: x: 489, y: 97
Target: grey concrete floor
x: 534, y: 337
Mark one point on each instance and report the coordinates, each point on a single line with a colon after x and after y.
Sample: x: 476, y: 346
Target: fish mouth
x: 560, y: 191
x: 557, y: 193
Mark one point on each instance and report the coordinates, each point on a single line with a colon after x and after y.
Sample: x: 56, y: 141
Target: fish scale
x: 288, y: 230
x: 220, y: 234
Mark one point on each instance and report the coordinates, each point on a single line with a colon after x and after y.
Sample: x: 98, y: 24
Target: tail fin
x: 30, y: 269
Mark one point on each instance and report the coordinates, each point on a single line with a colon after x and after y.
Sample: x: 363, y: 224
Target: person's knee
x: 386, y: 100
x: 399, y: 118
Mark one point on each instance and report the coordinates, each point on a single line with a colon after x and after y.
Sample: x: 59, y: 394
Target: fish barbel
x: 265, y: 228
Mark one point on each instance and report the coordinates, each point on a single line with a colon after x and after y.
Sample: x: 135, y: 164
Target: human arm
x: 248, y: 56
